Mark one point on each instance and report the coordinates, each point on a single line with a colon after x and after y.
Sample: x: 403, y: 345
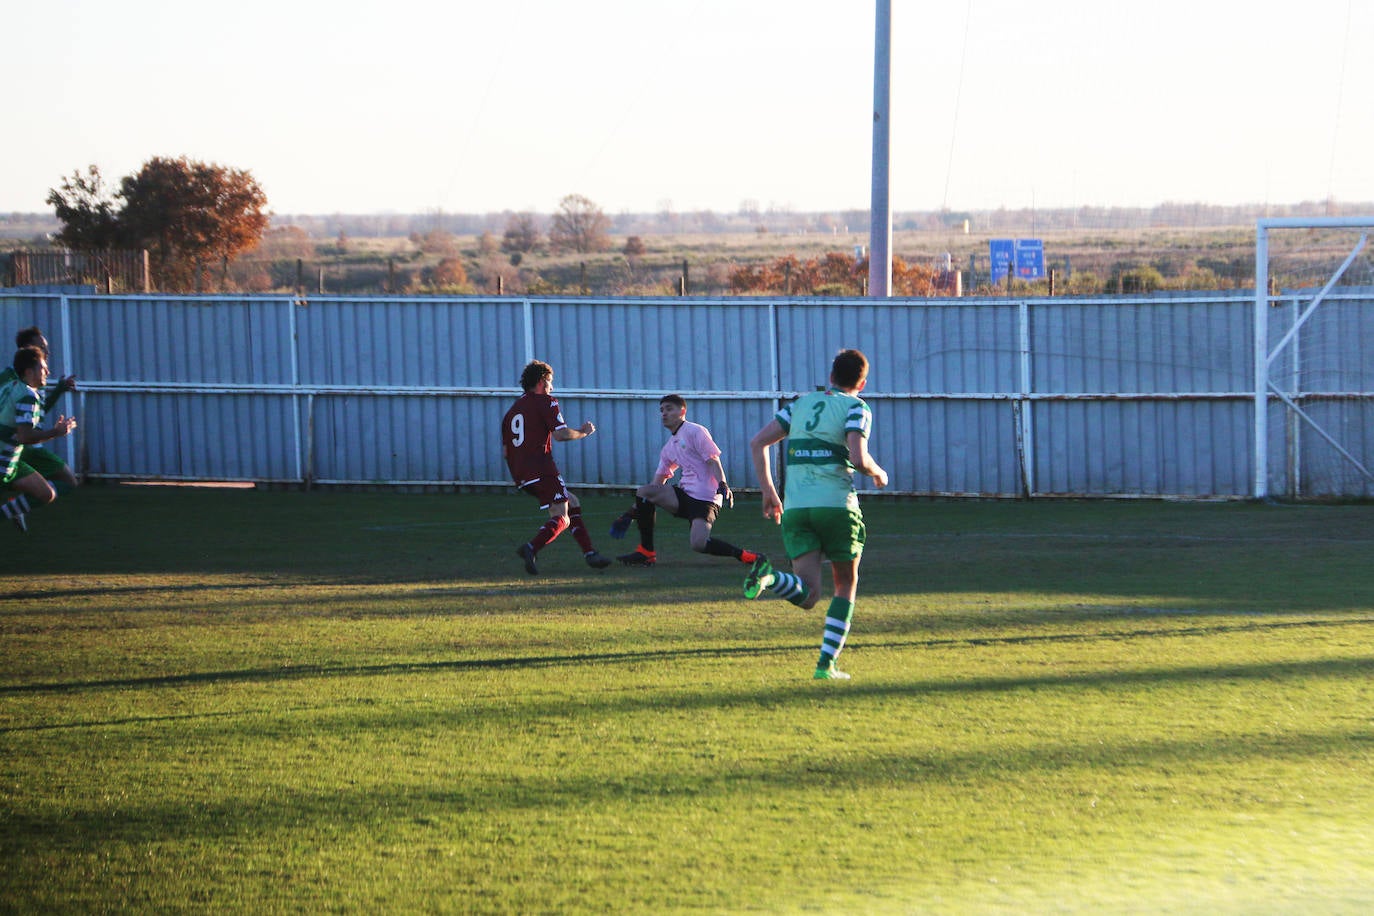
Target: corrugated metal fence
x: 1117, y: 396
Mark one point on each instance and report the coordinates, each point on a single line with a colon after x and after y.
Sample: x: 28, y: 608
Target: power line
x: 1340, y: 94
x: 958, y: 92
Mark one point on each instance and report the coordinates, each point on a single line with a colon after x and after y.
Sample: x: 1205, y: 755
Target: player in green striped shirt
x: 827, y: 436
x: 42, y: 460
x: 20, y: 415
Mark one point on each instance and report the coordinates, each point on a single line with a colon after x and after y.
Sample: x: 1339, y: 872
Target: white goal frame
x: 1264, y: 357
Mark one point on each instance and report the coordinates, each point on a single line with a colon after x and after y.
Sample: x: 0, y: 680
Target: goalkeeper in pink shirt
x: 697, y: 497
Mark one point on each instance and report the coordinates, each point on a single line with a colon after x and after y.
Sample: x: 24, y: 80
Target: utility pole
x: 880, y: 209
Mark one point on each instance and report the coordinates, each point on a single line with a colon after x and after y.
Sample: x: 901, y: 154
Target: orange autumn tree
x: 832, y: 274
x: 189, y: 215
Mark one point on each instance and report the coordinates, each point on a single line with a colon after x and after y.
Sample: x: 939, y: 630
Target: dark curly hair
x: 534, y: 373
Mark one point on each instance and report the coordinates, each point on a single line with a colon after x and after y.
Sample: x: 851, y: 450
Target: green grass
x: 281, y: 702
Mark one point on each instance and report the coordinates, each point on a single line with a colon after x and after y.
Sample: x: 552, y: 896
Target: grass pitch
x: 276, y: 702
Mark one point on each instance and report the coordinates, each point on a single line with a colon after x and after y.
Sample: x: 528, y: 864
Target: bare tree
x: 522, y: 234
x: 579, y: 225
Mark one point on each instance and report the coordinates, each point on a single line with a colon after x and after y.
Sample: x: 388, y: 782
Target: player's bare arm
x: 723, y: 489
x: 863, y: 462
x: 759, y: 448
x: 32, y: 435
x: 568, y: 434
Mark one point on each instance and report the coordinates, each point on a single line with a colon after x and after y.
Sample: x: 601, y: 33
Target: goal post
x: 1265, y: 356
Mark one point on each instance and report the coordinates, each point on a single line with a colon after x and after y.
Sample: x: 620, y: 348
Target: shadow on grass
x: 40, y: 593
x: 1208, y: 555
x: 1264, y: 670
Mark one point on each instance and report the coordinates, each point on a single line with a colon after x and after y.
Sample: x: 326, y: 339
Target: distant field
x: 1089, y: 261
x: 1091, y: 251
x: 249, y: 701
x: 1228, y: 253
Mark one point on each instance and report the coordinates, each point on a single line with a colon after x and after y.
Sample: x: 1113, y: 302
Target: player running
x: 698, y: 496
x: 827, y: 436
x: 21, y: 412
x: 527, y: 432
x: 44, y: 461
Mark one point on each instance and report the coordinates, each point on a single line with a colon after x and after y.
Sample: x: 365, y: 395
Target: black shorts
x: 690, y: 508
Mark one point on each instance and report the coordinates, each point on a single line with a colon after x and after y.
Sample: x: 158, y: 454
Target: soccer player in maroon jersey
x: 527, y: 434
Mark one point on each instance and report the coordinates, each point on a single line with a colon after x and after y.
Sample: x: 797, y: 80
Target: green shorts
x: 44, y: 461
x: 839, y: 534
x: 21, y: 469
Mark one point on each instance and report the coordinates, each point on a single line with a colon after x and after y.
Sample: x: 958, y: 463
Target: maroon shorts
x: 548, y: 489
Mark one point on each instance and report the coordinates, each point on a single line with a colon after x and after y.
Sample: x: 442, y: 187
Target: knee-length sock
x: 644, y: 516
x: 790, y: 587
x: 715, y: 547
x: 579, y: 531
x: 17, y: 506
x: 837, y: 620
x: 548, y: 532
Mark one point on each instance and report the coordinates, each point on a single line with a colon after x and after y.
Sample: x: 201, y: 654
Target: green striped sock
x: 19, y: 505
x: 837, y: 620
x: 788, y: 586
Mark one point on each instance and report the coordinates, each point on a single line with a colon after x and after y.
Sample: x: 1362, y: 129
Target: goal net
x: 1314, y: 358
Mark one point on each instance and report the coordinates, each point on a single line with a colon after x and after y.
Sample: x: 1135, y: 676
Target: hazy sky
x: 474, y: 106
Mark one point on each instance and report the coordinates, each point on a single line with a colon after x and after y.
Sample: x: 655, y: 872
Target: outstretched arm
x: 64, y: 384
x: 32, y: 435
x: 568, y: 434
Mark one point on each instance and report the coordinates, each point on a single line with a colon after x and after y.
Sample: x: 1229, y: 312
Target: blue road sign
x: 1030, y: 259
x: 1002, y: 254
x: 1025, y: 256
